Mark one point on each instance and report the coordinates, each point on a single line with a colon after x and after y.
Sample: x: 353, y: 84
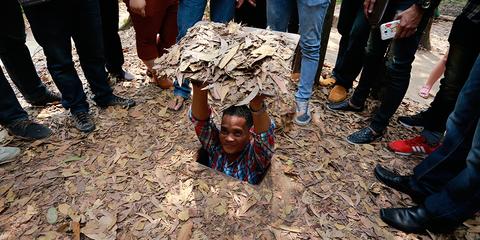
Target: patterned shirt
x: 252, y: 163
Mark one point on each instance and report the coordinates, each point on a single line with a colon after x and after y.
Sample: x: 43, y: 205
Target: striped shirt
x: 252, y: 163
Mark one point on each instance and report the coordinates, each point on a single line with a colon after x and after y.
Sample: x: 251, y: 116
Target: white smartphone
x: 389, y: 29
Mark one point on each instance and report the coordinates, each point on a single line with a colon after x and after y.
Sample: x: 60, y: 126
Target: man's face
x: 234, y: 134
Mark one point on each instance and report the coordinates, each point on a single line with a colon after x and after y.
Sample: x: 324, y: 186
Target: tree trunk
x: 425, y: 40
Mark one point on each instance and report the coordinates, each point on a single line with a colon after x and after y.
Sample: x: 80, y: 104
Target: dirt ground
x: 136, y: 177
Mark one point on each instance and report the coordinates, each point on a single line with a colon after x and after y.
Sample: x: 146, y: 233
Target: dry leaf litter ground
x: 136, y: 177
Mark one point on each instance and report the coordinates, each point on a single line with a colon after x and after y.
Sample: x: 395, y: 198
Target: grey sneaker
x: 303, y: 115
x: 7, y: 154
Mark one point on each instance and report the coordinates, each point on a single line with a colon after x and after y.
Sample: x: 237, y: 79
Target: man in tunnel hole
x: 244, y: 145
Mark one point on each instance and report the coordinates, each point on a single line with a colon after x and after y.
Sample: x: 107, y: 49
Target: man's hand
x: 257, y: 102
x: 138, y: 7
x: 200, y: 108
x: 253, y: 2
x: 239, y: 3
x: 409, y: 20
x: 368, y: 7
x: 261, y: 121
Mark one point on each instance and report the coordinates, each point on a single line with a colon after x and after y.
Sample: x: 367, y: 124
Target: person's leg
x: 278, y: 14
x: 461, y: 57
x: 15, y: 54
x: 222, y: 11
x: 346, y: 19
x: 10, y: 108
x: 460, y: 198
x: 111, y: 40
x: 168, y: 29
x: 189, y: 13
x: 51, y: 26
x: 311, y: 22
x: 398, y: 76
x: 434, y: 76
x: 374, y: 59
x: 311, y: 18
x: 14, y: 118
x: 443, y: 164
x: 354, y: 53
x: 87, y: 35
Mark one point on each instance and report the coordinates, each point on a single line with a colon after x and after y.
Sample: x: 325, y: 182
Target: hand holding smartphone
x: 389, y: 29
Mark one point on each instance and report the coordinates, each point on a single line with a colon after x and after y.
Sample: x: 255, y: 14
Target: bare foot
x: 176, y: 103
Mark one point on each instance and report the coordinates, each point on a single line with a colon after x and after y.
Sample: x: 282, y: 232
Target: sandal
x: 424, y: 92
x: 176, y: 103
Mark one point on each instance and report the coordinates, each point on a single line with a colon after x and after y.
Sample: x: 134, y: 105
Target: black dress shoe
x: 118, y: 101
x: 344, y: 106
x: 409, y: 220
x: 399, y: 183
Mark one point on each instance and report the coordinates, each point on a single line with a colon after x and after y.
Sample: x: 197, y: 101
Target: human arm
x: 253, y: 2
x: 206, y: 131
x: 200, y: 108
x: 138, y: 7
x: 261, y: 120
x: 409, y: 21
x: 262, y: 133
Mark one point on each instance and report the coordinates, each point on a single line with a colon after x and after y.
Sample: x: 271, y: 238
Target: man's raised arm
x: 261, y: 120
x: 200, y: 108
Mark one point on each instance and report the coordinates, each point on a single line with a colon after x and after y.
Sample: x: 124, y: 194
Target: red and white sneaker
x: 410, y: 146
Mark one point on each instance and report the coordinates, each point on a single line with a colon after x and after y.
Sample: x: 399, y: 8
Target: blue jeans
x: 311, y: 14
x: 452, y: 172
x: 54, y: 24
x: 397, y: 70
x: 189, y: 13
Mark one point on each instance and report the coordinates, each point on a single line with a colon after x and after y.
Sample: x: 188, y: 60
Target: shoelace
x: 22, y: 124
x: 415, y: 140
x: 82, y: 117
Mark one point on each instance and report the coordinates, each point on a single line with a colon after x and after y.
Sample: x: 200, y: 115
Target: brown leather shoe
x: 337, y: 94
x: 327, y: 82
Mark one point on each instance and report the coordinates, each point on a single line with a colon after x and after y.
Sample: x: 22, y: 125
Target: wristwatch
x: 423, y: 4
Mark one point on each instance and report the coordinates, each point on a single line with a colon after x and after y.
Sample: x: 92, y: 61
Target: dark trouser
x: 397, y: 70
x: 111, y: 40
x: 15, y: 55
x: 355, y: 30
x: 252, y: 16
x: 53, y: 25
x: 10, y: 108
x: 464, y: 49
x: 452, y: 172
